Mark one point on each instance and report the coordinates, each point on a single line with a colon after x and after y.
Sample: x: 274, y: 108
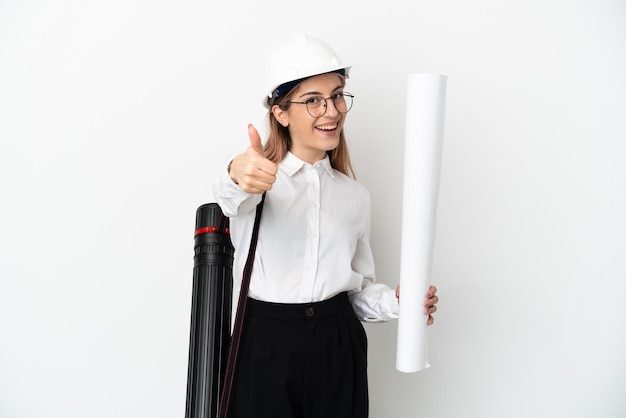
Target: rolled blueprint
x: 425, y: 109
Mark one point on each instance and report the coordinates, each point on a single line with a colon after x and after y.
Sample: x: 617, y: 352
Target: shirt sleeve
x: 230, y: 197
x: 373, y: 302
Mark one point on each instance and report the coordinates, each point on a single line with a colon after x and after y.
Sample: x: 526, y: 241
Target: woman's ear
x: 280, y: 115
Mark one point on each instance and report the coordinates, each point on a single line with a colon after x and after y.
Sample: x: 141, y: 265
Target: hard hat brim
x: 324, y: 70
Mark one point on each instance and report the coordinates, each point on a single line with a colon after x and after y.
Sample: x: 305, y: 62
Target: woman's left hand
x: 430, y: 304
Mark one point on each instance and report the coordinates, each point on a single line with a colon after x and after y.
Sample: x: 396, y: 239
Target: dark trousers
x: 301, y: 361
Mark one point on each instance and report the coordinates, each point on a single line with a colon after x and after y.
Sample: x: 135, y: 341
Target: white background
x: 115, y: 116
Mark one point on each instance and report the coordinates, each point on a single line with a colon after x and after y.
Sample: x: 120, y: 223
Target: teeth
x: 327, y: 127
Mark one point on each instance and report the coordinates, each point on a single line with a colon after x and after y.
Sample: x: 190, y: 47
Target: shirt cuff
x: 375, y: 303
x: 230, y: 197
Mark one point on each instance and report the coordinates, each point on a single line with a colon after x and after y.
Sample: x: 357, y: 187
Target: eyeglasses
x: 316, y: 105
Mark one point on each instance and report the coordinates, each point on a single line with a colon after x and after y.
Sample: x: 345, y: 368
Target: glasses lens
x: 316, y: 106
x: 343, y: 102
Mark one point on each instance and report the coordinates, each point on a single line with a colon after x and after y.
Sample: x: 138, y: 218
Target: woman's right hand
x: 251, y: 170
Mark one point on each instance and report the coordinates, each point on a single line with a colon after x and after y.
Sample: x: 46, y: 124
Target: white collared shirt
x: 313, y: 239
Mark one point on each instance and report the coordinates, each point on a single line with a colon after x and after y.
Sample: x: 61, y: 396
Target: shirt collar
x: 292, y: 164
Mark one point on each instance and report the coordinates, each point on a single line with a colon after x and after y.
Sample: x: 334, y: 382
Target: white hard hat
x: 299, y: 56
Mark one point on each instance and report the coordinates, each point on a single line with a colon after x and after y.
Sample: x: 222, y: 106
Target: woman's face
x: 312, y: 136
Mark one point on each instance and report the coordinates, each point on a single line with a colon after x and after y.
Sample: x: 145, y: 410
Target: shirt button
x: 309, y: 312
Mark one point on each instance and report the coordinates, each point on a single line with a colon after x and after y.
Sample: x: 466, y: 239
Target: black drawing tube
x: 210, y: 311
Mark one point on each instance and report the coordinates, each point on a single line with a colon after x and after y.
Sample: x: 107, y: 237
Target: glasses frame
x: 333, y: 98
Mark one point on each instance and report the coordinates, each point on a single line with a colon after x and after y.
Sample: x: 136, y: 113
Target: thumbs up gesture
x: 251, y: 170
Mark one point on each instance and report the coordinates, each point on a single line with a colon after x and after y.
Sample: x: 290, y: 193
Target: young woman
x: 304, y: 350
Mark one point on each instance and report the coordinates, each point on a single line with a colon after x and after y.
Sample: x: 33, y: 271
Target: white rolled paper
x: 425, y: 109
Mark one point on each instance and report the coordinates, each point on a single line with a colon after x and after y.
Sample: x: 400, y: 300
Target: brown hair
x: 279, y: 140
